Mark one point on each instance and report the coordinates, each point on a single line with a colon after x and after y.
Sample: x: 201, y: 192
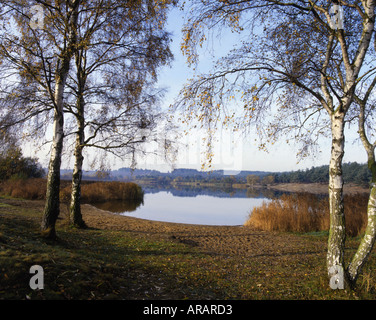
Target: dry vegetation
x: 106, y: 191
x: 31, y: 189
x: 307, y: 212
x: 35, y: 189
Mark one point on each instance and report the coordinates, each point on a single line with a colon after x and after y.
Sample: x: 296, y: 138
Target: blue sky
x: 243, y: 153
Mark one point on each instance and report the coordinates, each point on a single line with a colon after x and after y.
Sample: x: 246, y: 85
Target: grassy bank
x: 107, y: 263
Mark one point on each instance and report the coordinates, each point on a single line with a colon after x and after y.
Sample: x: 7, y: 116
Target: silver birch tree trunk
x: 368, y: 240
x: 52, y: 206
x: 75, y: 215
x: 337, y: 233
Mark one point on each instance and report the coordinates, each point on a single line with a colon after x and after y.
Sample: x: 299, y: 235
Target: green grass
x: 105, y: 264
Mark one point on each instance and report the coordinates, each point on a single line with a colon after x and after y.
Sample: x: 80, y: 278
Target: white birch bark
x: 52, y: 206
x: 337, y: 235
x: 75, y: 214
x: 367, y: 243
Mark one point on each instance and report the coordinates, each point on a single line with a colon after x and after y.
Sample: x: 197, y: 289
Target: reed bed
x: 305, y: 212
x: 106, y: 191
x: 35, y: 189
x: 31, y: 189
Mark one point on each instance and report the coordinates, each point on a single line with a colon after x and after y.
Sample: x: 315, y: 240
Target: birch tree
x: 297, y: 64
x: 42, y: 53
x: 366, y: 119
x: 39, y: 57
x: 111, y: 88
x: 52, y: 207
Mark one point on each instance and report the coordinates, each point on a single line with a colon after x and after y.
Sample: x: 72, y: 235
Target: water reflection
x: 219, y: 192
x: 194, y: 205
x: 119, y: 206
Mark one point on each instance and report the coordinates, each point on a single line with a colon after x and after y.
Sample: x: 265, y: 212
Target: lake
x: 206, y: 206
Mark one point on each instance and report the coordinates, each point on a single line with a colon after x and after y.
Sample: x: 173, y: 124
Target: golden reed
x: 305, y: 212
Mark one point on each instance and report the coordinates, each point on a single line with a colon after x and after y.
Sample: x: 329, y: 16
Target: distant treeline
x: 353, y: 172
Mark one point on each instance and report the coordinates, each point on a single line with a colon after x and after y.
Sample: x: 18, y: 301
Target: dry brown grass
x: 35, y: 189
x: 106, y: 191
x: 307, y: 212
x: 32, y: 189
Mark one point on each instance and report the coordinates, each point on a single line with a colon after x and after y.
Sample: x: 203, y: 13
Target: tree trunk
x: 52, y: 206
x: 337, y: 233
x: 366, y: 245
x: 75, y: 204
x: 75, y: 214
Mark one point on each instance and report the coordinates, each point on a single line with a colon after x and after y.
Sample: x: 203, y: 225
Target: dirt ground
x: 224, y: 240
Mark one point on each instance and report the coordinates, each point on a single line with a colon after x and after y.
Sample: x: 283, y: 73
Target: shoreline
x: 317, y: 188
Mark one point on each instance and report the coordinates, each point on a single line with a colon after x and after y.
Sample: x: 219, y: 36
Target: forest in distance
x: 14, y: 165
x: 353, y: 172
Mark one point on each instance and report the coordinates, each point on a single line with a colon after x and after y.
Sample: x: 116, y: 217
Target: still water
x: 193, y: 205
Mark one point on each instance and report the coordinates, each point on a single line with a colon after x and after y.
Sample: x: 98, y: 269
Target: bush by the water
x: 106, y: 191
x: 307, y: 213
x: 31, y: 189
x: 35, y: 189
